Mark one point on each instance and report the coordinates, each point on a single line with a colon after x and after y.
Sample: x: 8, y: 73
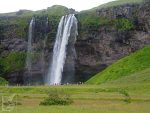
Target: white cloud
x: 15, y: 5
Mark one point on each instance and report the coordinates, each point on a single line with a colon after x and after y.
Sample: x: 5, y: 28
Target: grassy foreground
x: 87, y: 98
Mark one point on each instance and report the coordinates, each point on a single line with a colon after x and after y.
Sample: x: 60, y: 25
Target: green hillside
x: 53, y: 10
x: 139, y: 78
x: 115, y: 3
x: 120, y: 2
x: 20, y: 20
x: 131, y: 64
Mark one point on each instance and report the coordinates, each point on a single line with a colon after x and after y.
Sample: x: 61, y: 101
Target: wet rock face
x: 15, y: 78
x: 96, y: 47
x: 107, y: 48
x: 14, y: 44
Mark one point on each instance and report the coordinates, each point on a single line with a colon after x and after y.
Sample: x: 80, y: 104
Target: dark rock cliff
x: 98, y: 47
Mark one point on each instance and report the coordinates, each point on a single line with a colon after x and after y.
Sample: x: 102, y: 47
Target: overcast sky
x: 78, y: 5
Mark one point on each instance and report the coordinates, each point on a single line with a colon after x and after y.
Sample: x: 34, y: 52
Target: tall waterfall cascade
x: 46, y: 36
x: 29, y: 49
x: 66, y: 33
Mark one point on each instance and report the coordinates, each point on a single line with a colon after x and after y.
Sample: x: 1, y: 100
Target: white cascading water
x: 67, y: 25
x: 29, y: 48
x: 45, y: 40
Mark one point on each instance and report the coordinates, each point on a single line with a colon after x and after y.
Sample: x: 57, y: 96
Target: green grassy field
x: 105, y: 98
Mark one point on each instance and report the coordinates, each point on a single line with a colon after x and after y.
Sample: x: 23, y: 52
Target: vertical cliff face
x: 121, y: 31
x: 105, y: 35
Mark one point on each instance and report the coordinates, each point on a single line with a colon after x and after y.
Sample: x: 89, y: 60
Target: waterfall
x: 46, y: 36
x: 29, y: 51
x: 67, y: 30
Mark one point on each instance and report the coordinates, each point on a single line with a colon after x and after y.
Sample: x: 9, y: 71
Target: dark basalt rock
x: 105, y: 45
x: 15, y: 44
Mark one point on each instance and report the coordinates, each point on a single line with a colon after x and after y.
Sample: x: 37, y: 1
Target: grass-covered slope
x: 133, y: 63
x: 53, y: 10
x: 16, y: 23
x: 141, y: 78
x: 115, y: 3
x: 120, y: 2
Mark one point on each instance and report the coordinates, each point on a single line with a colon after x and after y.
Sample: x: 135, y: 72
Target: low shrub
x: 123, y: 24
x: 92, y: 20
x: 57, y: 97
x: 127, y: 98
